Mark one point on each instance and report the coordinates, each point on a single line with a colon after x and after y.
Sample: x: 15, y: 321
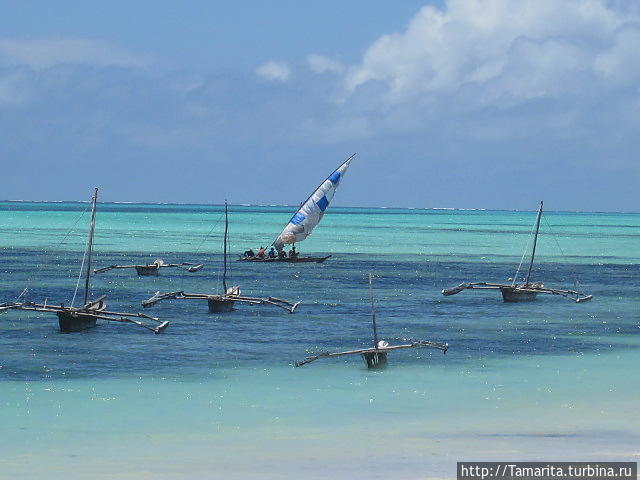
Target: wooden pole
x: 535, y: 241
x: 373, y: 314
x: 92, y: 226
x: 226, y: 232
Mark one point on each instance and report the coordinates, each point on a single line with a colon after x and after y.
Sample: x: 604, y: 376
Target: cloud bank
x: 507, y: 50
x: 42, y: 53
x: 488, y: 103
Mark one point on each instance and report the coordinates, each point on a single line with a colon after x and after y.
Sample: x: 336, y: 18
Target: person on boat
x: 292, y: 252
x: 249, y: 253
x: 282, y: 254
x: 261, y: 252
x: 272, y: 253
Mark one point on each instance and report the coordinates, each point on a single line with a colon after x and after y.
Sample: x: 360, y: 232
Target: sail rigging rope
x: 84, y: 257
x: 576, y: 280
x: 554, y: 238
x: 39, y: 267
x: 526, y: 249
x: 204, y: 239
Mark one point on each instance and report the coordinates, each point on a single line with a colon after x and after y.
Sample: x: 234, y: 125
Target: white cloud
x: 48, y: 52
x: 321, y: 64
x: 274, y: 71
x: 515, y: 49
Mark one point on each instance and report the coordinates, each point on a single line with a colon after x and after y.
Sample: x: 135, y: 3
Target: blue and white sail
x: 312, y: 210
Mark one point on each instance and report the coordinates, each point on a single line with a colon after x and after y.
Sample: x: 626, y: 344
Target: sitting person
x: 261, y: 252
x: 272, y: 253
x: 282, y: 254
x: 292, y: 252
x: 249, y: 253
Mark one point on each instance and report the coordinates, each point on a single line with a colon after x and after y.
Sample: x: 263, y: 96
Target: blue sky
x: 460, y: 103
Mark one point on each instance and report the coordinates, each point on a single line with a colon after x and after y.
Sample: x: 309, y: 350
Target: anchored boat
x: 154, y: 267
x: 73, y: 319
x: 526, y: 291
x: 306, y: 218
x: 375, y: 357
x: 224, y: 302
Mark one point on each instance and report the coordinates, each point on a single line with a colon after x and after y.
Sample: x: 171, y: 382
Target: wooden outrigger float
x: 302, y: 223
x: 524, y: 292
x: 74, y: 319
x: 154, y: 267
x: 222, y: 303
x: 375, y: 357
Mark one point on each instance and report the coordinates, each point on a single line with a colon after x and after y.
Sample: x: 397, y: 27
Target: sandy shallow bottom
x: 405, y: 422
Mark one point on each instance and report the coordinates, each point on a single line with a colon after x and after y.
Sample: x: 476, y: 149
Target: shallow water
x: 215, y: 395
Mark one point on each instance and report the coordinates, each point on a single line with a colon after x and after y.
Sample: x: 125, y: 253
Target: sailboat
x: 526, y: 291
x: 74, y: 319
x: 154, y: 267
x: 376, y: 356
x: 224, y: 302
x: 306, y: 218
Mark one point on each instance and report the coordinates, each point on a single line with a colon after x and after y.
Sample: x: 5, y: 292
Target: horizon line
x: 294, y: 206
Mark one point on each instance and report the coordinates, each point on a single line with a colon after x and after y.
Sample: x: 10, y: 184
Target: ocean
x: 217, y: 396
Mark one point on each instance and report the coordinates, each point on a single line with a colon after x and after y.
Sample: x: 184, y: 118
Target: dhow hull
x: 514, y: 295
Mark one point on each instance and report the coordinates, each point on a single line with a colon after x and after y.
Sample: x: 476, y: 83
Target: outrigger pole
x: 419, y: 343
x: 180, y: 295
x: 573, y: 295
x: 84, y: 312
x: 155, y: 266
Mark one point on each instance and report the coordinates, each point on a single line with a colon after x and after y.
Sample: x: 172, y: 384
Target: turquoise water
x: 215, y: 396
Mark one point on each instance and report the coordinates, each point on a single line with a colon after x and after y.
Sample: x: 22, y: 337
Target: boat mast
x: 373, y: 315
x: 535, y: 241
x: 226, y: 232
x: 89, y: 252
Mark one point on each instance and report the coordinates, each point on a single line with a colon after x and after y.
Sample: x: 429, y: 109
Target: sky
x: 454, y: 103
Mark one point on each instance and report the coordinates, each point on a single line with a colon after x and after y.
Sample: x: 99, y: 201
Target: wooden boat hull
x: 515, y: 295
x: 285, y: 259
x: 147, y: 270
x: 220, y: 306
x: 375, y: 359
x: 74, y: 321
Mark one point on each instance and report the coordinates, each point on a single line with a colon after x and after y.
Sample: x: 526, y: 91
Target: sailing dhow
x: 306, y: 218
x: 526, y: 291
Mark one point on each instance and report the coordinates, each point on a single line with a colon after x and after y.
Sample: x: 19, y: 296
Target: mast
x: 226, y: 233
x: 92, y: 227
x: 535, y: 241
x: 373, y: 315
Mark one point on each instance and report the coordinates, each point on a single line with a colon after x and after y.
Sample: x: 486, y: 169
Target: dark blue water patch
x: 334, y: 315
